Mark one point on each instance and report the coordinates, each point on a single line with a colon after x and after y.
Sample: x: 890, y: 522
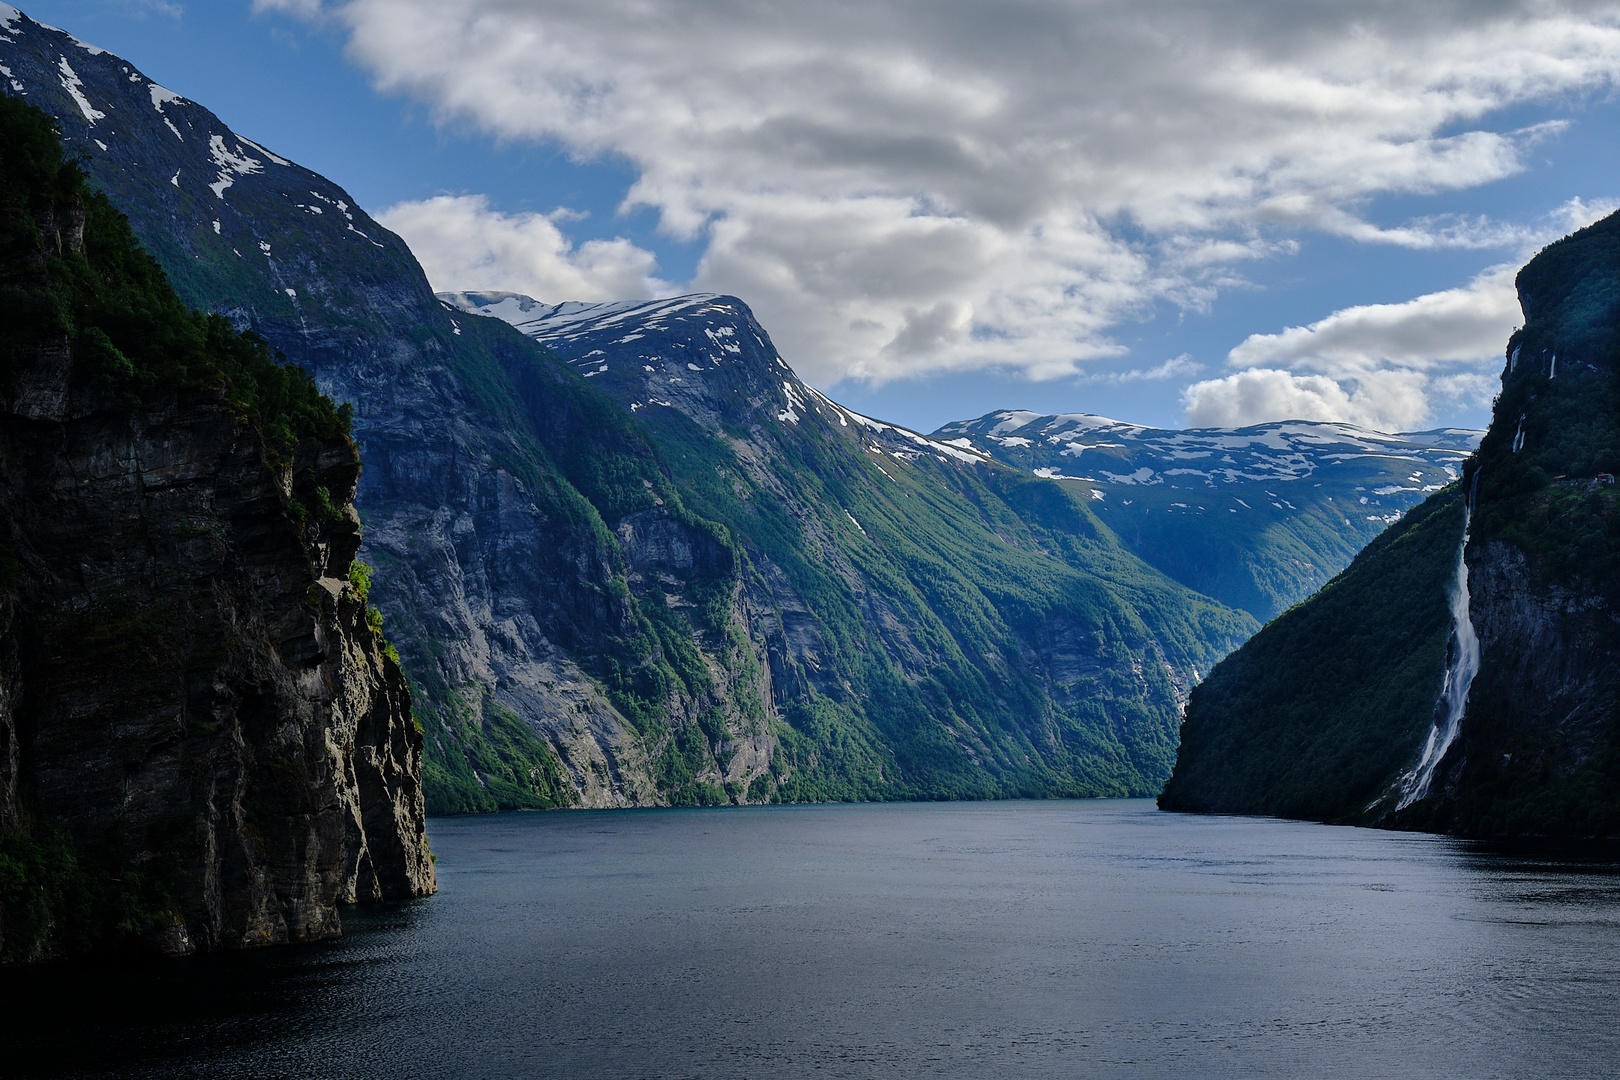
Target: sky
x: 1168, y: 212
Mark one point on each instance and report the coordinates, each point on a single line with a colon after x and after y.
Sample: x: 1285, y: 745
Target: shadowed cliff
x: 204, y: 743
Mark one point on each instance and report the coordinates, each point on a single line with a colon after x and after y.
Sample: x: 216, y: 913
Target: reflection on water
x: 1052, y: 939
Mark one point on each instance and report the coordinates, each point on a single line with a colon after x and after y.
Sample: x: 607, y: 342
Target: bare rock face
x: 1536, y: 752
x: 188, y: 684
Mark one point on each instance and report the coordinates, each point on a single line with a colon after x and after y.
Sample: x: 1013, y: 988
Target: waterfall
x: 1518, y: 436
x: 1461, y: 667
x: 1553, y: 374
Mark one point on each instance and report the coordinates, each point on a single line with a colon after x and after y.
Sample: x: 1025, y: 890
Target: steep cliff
x: 499, y: 572
x: 203, y: 742
x: 1538, y: 750
x: 1510, y: 727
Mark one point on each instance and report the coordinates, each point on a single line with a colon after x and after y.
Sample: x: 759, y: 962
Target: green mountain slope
x: 1321, y: 711
x: 965, y: 629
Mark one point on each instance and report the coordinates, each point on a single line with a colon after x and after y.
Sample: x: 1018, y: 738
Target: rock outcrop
x: 190, y: 679
x: 1540, y: 725
x: 204, y: 743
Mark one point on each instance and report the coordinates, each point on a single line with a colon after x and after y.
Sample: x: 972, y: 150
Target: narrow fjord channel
x: 972, y: 940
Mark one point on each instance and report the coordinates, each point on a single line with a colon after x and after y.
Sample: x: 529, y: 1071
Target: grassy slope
x: 1263, y: 560
x: 974, y: 565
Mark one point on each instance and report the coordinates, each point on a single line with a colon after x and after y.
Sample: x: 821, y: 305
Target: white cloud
x: 905, y: 186
x: 1263, y: 394
x: 1379, y: 366
x: 1464, y: 324
x: 1391, y: 364
x: 463, y: 245
x: 305, y: 9
x: 1175, y: 368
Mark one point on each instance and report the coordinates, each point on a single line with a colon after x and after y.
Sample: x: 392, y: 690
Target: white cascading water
x: 1460, y: 672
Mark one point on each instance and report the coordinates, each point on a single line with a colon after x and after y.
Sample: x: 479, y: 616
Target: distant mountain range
x: 1257, y: 517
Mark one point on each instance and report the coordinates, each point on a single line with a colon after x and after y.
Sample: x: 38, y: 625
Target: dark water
x: 1056, y: 939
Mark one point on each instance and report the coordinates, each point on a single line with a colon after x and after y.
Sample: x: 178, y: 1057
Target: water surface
x: 971, y: 940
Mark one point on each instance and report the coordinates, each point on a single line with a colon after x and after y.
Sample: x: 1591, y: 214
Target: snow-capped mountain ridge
x: 162, y: 155
x: 1081, y: 446
x: 1258, y: 516
x: 676, y: 352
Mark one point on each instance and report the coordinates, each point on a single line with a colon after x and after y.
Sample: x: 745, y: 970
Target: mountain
x: 696, y: 583
x: 1257, y: 517
x: 1464, y: 674
x: 203, y: 742
x: 903, y: 571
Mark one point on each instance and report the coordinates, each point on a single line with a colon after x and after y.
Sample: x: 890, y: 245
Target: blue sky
x: 1077, y: 264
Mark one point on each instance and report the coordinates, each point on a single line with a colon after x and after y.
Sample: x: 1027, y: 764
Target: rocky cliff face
x: 1536, y: 748
x: 495, y: 570
x: 1536, y: 751
x: 202, y: 741
x: 190, y: 681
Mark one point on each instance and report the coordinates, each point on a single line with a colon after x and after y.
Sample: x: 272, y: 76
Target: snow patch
x: 75, y: 89
x: 230, y: 162
x: 273, y: 157
x: 795, y: 403
x: 161, y: 95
